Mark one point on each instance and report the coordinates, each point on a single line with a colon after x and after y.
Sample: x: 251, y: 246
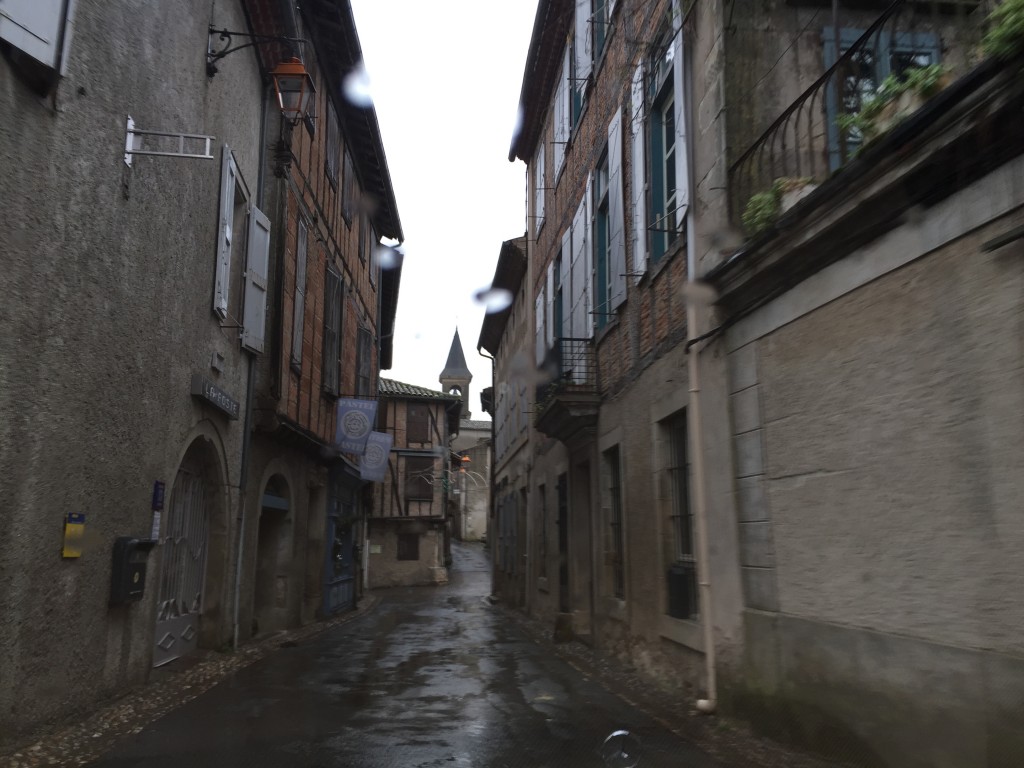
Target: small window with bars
x: 682, y: 570
x: 408, y: 546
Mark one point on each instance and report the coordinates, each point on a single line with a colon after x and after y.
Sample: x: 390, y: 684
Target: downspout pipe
x: 709, y: 704
x: 243, y: 473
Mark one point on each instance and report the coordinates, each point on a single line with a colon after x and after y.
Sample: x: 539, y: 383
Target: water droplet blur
x: 493, y: 299
x: 356, y: 87
x: 367, y: 204
x: 621, y: 750
x: 387, y: 257
x: 699, y: 293
x: 915, y: 214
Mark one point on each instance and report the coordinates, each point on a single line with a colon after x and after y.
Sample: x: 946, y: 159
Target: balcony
x: 865, y: 59
x: 567, y: 405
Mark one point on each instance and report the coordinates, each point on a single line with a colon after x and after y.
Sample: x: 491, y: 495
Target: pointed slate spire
x: 456, y: 374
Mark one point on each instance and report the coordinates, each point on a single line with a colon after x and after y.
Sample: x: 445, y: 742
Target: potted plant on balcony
x: 765, y: 207
x: 1005, y: 37
x: 896, y: 98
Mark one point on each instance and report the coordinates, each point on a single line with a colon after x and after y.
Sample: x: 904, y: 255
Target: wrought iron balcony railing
x: 574, y: 369
x: 808, y: 140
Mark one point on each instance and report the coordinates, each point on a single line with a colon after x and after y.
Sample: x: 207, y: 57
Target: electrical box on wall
x: 128, y: 572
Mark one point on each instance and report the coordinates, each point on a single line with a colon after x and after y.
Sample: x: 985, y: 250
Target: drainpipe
x: 494, y: 462
x: 709, y: 704
x: 243, y: 473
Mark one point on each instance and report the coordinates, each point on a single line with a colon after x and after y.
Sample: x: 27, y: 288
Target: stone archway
x: 271, y: 583
x: 192, y: 548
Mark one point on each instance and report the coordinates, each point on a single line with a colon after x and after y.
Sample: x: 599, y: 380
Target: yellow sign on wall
x: 74, y: 533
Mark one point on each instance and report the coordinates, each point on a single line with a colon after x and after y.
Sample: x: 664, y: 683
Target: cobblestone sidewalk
x: 62, y: 744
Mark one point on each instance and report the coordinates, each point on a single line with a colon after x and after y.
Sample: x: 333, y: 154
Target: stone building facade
x: 718, y: 485
x: 408, y: 535
x: 144, y: 284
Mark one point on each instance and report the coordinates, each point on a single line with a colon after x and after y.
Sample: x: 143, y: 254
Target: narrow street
x: 434, y: 676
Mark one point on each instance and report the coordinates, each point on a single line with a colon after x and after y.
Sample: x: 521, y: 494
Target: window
x: 560, y: 114
x: 602, y: 280
x: 542, y: 543
x: 419, y: 478
x: 348, y: 189
x: 417, y: 423
x: 538, y: 187
x: 332, y: 333
x: 663, y: 223
x: 616, y: 545
x: 243, y: 257
x: 600, y: 26
x: 408, y: 546
x: 299, y: 309
x: 364, y: 372
x: 864, y: 72
x: 558, y: 302
x: 333, y: 145
x: 682, y: 571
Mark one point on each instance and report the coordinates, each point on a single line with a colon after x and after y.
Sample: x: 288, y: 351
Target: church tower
x: 455, y: 377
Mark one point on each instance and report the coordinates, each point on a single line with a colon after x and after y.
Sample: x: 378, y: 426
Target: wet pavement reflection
x: 434, y: 676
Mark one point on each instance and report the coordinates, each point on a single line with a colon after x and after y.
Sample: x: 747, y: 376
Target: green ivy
x: 1005, y: 37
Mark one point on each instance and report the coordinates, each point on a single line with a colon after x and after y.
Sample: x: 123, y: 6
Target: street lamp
x: 294, y: 88
x: 292, y: 83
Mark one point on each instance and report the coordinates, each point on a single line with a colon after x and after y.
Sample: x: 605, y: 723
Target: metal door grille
x: 184, y: 544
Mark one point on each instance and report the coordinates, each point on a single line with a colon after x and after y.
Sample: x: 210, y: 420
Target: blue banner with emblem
x: 374, y: 466
x: 355, y: 423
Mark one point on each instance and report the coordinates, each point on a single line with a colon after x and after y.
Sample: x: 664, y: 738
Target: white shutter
x: 679, y: 95
x: 225, y: 225
x: 257, y: 265
x: 582, y: 46
x: 538, y: 319
x: 639, y: 177
x: 561, y: 116
x: 588, y: 260
x: 299, y: 311
x: 550, y: 323
x: 34, y: 27
x: 566, y: 283
x: 539, y: 184
x: 616, y: 219
x: 579, y: 276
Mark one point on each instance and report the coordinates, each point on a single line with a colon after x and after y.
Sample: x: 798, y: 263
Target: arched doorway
x: 271, y: 587
x: 184, y: 552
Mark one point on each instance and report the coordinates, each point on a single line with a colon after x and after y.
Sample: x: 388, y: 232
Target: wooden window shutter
x: 225, y: 224
x: 332, y: 332
x: 616, y: 219
x: 682, y: 170
x: 639, y: 177
x: 37, y: 27
x: 254, y: 314
x: 299, y: 310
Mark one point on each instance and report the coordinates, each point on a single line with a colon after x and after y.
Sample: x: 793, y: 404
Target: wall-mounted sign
x: 374, y: 465
x: 74, y: 532
x: 355, y: 422
x: 209, y: 392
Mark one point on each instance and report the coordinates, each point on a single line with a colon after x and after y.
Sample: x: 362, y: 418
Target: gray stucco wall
x: 890, y: 474
x: 106, y: 311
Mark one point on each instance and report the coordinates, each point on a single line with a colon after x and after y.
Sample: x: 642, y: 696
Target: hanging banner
x: 355, y: 422
x: 374, y: 466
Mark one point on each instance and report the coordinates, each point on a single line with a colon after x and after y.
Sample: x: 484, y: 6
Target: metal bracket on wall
x: 175, y: 148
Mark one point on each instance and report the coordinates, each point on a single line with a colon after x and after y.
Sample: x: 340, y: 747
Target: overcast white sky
x: 445, y: 79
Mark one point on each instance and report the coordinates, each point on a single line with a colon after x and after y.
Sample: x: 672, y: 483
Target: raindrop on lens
x: 387, y: 257
x: 699, y: 293
x: 621, y: 750
x: 493, y: 299
x: 356, y: 87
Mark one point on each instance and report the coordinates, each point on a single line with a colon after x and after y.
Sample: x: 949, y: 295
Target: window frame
x: 334, y: 293
x: 422, y: 422
x: 682, y: 597
x: 332, y: 146
x: 602, y: 244
x: 415, y: 485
